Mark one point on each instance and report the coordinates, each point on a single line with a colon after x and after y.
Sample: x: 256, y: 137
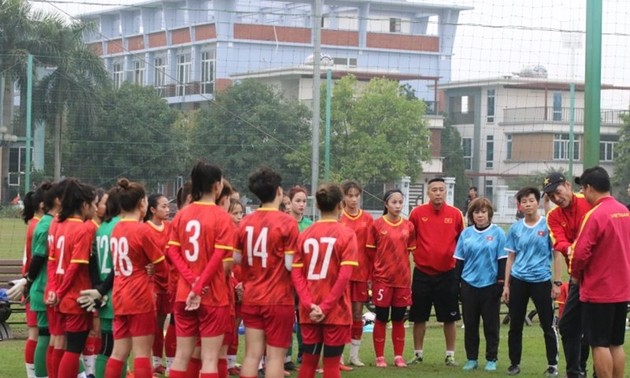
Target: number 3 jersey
x: 264, y: 238
x: 323, y: 249
x: 200, y: 230
x: 132, y: 250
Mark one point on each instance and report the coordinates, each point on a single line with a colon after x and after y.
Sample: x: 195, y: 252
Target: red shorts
x: 163, y: 304
x: 276, y: 321
x: 56, y: 323
x: 78, y: 322
x: 206, y: 321
x: 359, y: 292
x: 126, y: 326
x: 328, y: 334
x: 230, y: 334
x: 31, y: 316
x: 386, y: 296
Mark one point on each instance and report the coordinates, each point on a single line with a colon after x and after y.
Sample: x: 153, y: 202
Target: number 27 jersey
x: 264, y: 238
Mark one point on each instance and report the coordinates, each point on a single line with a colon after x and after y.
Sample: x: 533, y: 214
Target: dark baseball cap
x: 552, y: 180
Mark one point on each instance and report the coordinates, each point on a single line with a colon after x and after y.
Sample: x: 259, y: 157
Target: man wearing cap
x: 600, y: 261
x: 564, y: 222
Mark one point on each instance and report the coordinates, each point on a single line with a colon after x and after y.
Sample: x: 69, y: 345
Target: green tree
x: 74, y: 83
x: 134, y: 136
x: 377, y: 133
x: 622, y: 156
x: 247, y: 125
x: 453, y: 163
x: 535, y: 179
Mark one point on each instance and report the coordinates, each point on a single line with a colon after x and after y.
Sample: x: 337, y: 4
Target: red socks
x: 194, y: 366
x: 378, y: 337
x: 56, y: 360
x: 69, y: 365
x: 176, y: 374
x: 52, y: 373
x: 222, y: 368
x: 170, y: 341
x: 331, y: 367
x: 29, y: 351
x: 114, y: 368
x: 309, y: 365
x: 398, y: 337
x: 142, y: 367
x: 209, y: 375
x: 357, y: 329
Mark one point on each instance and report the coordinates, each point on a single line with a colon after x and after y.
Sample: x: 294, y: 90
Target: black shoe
x: 289, y: 366
x: 513, y: 370
x: 261, y: 373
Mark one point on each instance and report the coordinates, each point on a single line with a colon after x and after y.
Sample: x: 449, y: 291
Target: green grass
x: 12, y: 232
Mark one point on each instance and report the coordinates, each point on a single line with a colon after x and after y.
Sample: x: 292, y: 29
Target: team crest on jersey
x: 541, y: 233
x: 489, y: 238
x: 383, y: 232
x: 405, y: 233
x: 425, y: 219
x: 448, y: 220
x: 563, y: 224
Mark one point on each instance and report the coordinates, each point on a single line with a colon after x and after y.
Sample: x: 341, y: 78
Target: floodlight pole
x: 592, y: 82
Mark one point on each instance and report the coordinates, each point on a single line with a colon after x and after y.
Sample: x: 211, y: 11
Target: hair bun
x: 123, y: 183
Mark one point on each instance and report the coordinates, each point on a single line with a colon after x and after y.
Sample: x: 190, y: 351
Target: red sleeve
x: 223, y: 245
x: 51, y: 267
x: 370, y: 243
x: 153, y: 251
x: 215, y: 263
x: 411, y: 242
x: 557, y: 233
x: 338, y: 288
x: 174, y: 255
x: 291, y: 241
x: 583, y: 247
x: 299, y: 281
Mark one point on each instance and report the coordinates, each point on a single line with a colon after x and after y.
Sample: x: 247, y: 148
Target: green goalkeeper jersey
x: 105, y: 266
x: 39, y: 247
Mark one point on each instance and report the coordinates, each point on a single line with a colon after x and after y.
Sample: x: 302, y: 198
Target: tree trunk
x: 57, y: 152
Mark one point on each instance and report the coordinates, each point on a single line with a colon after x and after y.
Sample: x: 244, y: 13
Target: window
x: 464, y: 105
x: 490, y: 151
x: 557, y: 106
x: 561, y: 147
x: 468, y: 153
x: 488, y: 189
x: 508, y: 148
x: 345, y: 62
x: 607, y: 146
x: 118, y: 75
x: 183, y: 73
x: 395, y: 25
x: 490, y: 116
x: 159, y: 72
x: 138, y: 72
x: 207, y: 71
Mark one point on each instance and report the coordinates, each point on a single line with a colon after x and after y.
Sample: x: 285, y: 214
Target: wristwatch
x: 557, y: 283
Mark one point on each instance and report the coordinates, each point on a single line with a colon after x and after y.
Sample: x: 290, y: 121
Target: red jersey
x: 391, y: 244
x: 264, y: 238
x: 73, y: 245
x: 437, y: 231
x: 564, y: 224
x: 601, y: 253
x: 132, y: 250
x: 323, y: 249
x: 360, y: 224
x: 26, y: 259
x: 160, y: 235
x: 51, y: 277
x: 200, y: 230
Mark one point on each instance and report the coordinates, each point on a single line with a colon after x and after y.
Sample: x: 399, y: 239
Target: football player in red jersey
x: 359, y: 221
x: 323, y: 264
x: 236, y: 210
x: 159, y: 230
x: 202, y: 237
x: 391, y: 238
x: 133, y: 295
x: 266, y: 242
x: 73, y: 242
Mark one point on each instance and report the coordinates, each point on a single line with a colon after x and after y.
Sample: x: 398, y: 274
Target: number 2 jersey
x: 323, y: 249
x: 200, y: 230
x: 264, y: 238
x: 105, y: 266
x: 132, y: 250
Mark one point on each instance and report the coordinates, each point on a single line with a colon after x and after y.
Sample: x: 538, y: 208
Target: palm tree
x: 72, y: 85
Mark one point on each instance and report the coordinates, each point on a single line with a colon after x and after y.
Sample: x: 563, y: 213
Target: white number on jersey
x: 195, y: 227
x: 60, y: 246
x: 258, y: 248
x: 120, y: 253
x: 102, y: 248
x: 312, y: 246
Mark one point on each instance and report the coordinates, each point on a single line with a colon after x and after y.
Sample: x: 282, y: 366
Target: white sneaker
x: 354, y: 361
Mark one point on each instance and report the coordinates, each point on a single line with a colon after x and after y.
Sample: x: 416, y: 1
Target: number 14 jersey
x: 264, y: 238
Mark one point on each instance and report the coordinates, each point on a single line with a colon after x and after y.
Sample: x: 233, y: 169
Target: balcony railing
x: 549, y: 114
x: 459, y: 118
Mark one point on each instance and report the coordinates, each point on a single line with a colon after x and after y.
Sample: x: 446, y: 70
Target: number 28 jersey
x: 323, y: 249
x: 264, y: 238
x: 132, y: 250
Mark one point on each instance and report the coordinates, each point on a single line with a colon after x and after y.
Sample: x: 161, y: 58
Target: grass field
x: 533, y: 361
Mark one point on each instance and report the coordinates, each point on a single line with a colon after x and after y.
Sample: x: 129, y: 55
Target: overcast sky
x: 501, y: 37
